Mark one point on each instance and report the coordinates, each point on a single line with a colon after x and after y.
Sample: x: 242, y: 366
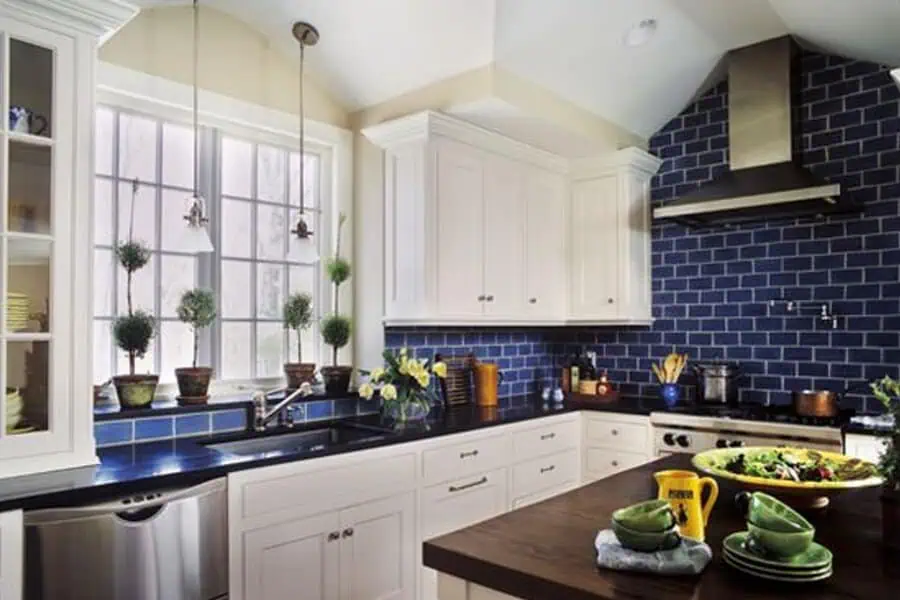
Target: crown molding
x: 631, y: 158
x: 98, y: 18
x: 423, y: 126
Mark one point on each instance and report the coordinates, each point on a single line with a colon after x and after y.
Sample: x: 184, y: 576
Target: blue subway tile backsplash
x: 711, y: 287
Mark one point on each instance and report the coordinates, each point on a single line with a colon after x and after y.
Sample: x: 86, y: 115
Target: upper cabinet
x: 484, y: 230
x: 47, y: 52
x: 610, y: 278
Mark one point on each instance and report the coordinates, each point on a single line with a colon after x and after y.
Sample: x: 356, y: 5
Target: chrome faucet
x: 261, y: 414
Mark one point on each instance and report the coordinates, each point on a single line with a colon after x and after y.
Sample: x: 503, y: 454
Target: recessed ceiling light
x: 641, y: 33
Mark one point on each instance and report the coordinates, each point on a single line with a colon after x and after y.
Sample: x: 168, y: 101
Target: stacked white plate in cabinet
x: 13, y: 408
x: 17, y: 309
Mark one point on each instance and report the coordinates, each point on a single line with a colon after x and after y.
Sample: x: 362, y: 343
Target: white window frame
x: 133, y: 91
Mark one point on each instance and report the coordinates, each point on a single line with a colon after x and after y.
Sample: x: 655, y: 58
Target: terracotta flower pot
x: 298, y: 373
x: 890, y: 518
x: 337, y: 379
x: 193, y: 384
x: 135, y: 391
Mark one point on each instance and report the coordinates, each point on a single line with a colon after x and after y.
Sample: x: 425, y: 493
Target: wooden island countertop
x: 546, y: 551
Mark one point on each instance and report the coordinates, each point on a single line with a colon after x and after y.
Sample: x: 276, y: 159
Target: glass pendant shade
x: 195, y: 238
x: 304, y: 250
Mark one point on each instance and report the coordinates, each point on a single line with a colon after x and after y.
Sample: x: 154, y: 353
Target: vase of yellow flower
x: 404, y: 385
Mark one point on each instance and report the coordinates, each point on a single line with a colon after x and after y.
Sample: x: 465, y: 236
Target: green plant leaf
x: 336, y: 330
x: 132, y: 255
x: 134, y: 332
x: 197, y: 308
x: 298, y: 312
x: 338, y: 270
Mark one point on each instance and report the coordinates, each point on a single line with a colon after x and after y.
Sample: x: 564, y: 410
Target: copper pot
x: 816, y: 403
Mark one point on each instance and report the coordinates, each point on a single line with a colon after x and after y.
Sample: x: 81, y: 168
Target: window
x: 253, y: 192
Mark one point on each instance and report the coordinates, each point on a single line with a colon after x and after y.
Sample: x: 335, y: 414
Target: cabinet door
x: 299, y: 559
x: 459, y: 226
x: 866, y: 447
x: 458, y: 504
x: 11, y: 560
x: 595, y: 249
x: 36, y: 240
x: 546, y: 263
x: 504, y: 236
x: 378, y: 549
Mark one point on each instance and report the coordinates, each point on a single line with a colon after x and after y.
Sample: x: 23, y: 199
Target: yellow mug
x: 683, y: 489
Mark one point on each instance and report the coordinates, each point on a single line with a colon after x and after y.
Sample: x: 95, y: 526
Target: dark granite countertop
x: 141, y: 467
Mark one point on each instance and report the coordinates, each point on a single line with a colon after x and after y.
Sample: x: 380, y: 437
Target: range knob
x: 683, y: 441
x: 736, y: 444
x: 669, y: 439
x: 721, y: 443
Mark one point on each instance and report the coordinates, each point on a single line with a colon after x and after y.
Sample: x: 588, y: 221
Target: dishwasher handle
x: 134, y: 508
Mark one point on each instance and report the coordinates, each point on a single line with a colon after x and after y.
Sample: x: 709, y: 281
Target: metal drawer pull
x: 481, y: 298
x: 547, y: 469
x: 532, y: 300
x: 615, y: 432
x: 468, y: 454
x: 548, y: 436
x: 348, y: 532
x: 334, y: 535
x: 465, y: 486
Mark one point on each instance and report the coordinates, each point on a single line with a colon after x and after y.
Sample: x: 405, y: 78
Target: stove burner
x: 761, y: 412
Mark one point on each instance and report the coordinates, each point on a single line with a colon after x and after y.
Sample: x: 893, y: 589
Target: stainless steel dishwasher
x: 167, y: 545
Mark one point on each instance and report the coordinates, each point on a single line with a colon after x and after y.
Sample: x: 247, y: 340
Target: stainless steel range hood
x: 764, y: 181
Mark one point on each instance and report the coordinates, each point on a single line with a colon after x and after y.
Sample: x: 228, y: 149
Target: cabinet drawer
x: 616, y: 435
x: 477, y: 456
x: 463, y: 502
x: 540, y: 441
x: 545, y: 473
x: 600, y: 463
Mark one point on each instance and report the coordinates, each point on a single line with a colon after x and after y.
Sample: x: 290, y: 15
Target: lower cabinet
x: 866, y: 447
x: 11, y: 549
x: 614, y: 442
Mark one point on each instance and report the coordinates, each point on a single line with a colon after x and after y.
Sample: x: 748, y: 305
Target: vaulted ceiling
x: 374, y: 50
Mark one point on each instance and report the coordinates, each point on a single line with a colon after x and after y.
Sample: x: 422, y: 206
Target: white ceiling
x: 374, y: 50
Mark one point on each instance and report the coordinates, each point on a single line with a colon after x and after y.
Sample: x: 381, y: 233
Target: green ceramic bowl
x: 646, y: 541
x: 779, y: 543
x: 649, y: 516
x: 770, y: 513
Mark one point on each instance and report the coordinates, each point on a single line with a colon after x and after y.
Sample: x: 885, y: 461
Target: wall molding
x: 99, y: 18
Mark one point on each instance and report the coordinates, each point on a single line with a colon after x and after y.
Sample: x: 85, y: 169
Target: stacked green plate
x: 813, y: 565
x: 17, y: 308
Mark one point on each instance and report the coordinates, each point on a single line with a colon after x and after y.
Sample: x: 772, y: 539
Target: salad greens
x: 793, y: 465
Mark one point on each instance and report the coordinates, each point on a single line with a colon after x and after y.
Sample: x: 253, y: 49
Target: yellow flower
x: 440, y: 369
x: 423, y: 378
x: 366, y: 391
x: 404, y: 365
x: 403, y: 352
x: 389, y: 392
x: 376, y: 375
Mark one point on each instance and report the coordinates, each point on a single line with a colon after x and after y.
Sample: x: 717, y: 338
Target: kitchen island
x: 545, y: 551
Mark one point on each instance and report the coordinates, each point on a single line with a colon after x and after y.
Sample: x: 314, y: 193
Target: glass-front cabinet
x: 46, y: 81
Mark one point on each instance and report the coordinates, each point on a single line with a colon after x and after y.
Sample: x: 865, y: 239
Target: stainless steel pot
x: 717, y: 382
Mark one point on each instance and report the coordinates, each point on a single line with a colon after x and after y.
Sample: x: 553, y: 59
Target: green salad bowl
x: 646, y: 541
x: 649, y: 516
x: 779, y: 543
x: 771, y: 513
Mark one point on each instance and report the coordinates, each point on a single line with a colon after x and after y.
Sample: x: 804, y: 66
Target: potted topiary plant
x: 198, y: 309
x: 133, y: 332
x: 888, y: 392
x: 298, y: 316
x: 336, y: 328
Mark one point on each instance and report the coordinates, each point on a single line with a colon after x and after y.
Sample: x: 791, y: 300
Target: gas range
x: 692, y: 429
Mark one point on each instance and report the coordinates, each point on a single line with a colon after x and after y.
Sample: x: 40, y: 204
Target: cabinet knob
x: 347, y: 532
x: 490, y: 298
x: 610, y: 300
x: 334, y: 536
x: 532, y: 301
x: 615, y: 463
x: 481, y: 298
x: 615, y: 432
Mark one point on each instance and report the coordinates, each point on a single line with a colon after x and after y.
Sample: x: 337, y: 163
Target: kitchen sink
x: 310, y: 440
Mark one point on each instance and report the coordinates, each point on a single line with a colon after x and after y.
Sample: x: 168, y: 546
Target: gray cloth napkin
x: 688, y: 558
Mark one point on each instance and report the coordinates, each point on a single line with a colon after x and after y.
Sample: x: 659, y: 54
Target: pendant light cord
x: 195, y: 118
x: 302, y: 184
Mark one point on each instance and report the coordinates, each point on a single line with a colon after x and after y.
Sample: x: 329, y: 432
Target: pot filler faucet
x: 262, y: 416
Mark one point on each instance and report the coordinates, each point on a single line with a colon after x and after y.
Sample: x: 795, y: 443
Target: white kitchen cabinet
x: 47, y: 57
x: 613, y: 442
x: 866, y: 447
x: 471, y: 234
x: 610, y: 279
x: 292, y: 560
x: 11, y: 551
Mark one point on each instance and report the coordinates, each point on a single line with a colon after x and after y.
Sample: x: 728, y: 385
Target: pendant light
x: 306, y: 35
x: 195, y: 239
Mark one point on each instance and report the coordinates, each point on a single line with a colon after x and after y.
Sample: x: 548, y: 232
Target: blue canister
x: 671, y: 393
